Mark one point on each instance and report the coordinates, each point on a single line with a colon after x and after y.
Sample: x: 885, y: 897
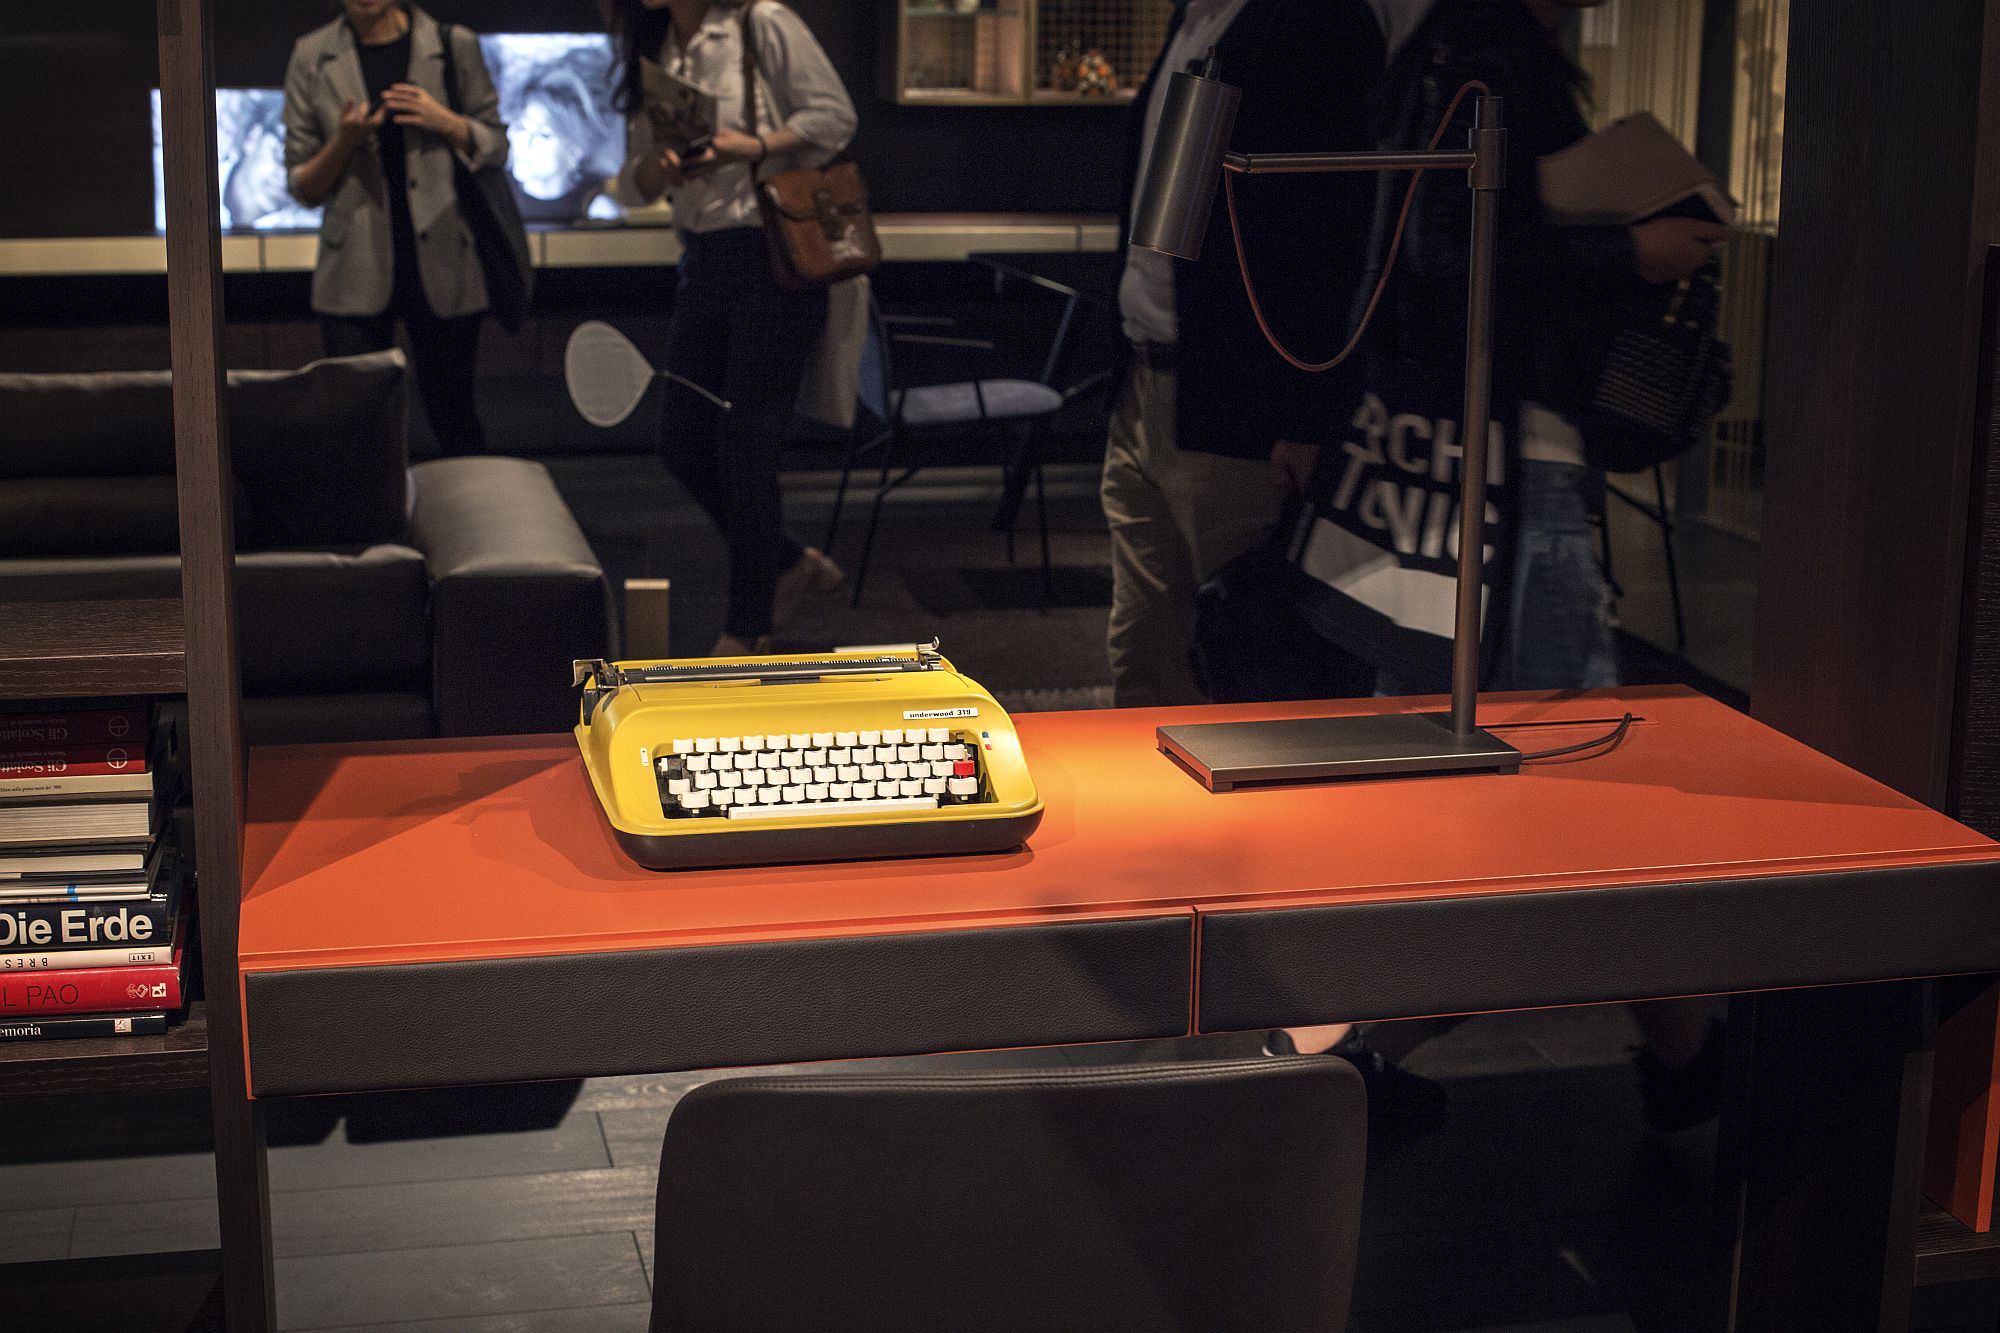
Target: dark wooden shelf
x: 1949, y: 1251
x: 86, y: 650
x: 176, y: 1059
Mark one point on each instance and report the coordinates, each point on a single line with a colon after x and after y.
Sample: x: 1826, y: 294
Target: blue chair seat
x: 958, y: 404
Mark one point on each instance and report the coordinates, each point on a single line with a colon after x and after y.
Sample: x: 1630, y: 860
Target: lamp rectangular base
x: 1224, y: 755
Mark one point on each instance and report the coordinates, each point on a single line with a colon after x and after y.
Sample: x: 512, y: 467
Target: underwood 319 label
x: 934, y: 714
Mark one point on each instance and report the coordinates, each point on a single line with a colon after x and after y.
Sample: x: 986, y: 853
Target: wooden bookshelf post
x: 208, y: 599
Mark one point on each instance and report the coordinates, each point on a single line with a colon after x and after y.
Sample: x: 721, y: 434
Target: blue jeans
x: 1559, y: 624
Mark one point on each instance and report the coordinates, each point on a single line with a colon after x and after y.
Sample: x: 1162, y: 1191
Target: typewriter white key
x: 816, y: 758
x: 937, y: 735
x: 695, y: 800
x: 933, y: 753
x: 868, y: 738
x: 823, y: 774
x: 816, y: 792
x: 798, y: 740
x: 680, y: 786
x: 729, y: 744
x: 892, y: 737
x: 822, y: 739
x: 754, y: 778
x: 743, y: 760
x: 793, y: 795
x: 704, y: 745
x: 697, y: 763
x: 848, y: 773
x: 840, y: 791
x: 704, y: 782
x: 942, y: 768
x: 840, y: 757
x: 723, y: 797
x: 871, y: 772
x: 911, y: 787
x: 835, y: 808
x: 896, y: 772
x: 753, y: 742
x: 963, y: 786
x: 934, y: 786
x: 791, y: 758
x: 909, y: 754
x: 844, y: 738
x: 767, y: 795
x: 684, y: 746
x: 769, y: 759
x: 730, y: 779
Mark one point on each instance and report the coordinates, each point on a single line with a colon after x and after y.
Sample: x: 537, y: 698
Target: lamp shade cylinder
x: 1196, y: 121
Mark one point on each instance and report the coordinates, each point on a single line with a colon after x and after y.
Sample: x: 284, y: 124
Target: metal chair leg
x: 1667, y: 526
x: 854, y: 450
x: 882, y: 489
x: 1042, y: 512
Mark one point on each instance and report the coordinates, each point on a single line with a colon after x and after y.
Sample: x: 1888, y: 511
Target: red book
x: 91, y: 990
x: 75, y: 761
x: 40, y: 733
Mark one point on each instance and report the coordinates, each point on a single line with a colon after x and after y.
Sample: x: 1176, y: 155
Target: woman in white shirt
x: 734, y: 330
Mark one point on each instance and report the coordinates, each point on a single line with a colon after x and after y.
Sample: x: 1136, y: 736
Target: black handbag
x: 1667, y: 373
x: 493, y: 216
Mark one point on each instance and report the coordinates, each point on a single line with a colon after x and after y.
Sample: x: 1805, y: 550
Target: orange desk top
x: 421, y: 852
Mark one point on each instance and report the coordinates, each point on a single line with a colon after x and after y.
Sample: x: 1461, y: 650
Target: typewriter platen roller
x: 856, y: 754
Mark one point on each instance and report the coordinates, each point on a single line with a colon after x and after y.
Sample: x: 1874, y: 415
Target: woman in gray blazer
x: 370, y: 134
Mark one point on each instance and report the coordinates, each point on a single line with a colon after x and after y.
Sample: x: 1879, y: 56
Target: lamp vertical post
x: 1488, y: 178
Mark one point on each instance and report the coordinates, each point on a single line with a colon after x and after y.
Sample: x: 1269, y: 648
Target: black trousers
x: 444, y: 356
x: 739, y: 335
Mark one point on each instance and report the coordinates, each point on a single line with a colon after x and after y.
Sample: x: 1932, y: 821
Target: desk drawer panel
x: 315, y: 1030
x: 1428, y: 956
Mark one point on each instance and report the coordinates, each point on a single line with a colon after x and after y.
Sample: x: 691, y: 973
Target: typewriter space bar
x: 891, y: 805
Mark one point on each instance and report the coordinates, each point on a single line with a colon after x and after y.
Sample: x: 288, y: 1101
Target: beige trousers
x: 1176, y: 518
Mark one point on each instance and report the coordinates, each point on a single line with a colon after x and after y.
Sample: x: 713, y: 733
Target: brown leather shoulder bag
x: 816, y: 219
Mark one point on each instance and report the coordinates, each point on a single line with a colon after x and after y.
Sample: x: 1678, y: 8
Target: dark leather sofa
x: 375, y: 600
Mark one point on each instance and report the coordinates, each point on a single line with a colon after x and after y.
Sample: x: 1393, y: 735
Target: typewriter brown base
x: 734, y: 845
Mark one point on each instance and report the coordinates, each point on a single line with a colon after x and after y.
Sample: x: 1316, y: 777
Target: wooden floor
x: 1539, y: 1203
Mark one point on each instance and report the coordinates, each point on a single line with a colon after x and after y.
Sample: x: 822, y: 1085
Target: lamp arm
x: 1478, y: 163
x: 1268, y: 164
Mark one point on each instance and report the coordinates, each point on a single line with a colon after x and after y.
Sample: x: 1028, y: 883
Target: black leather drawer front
x: 1433, y: 956
x: 648, y: 1011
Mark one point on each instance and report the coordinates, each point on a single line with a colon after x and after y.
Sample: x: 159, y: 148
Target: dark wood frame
x: 77, y: 652
x: 1871, y: 607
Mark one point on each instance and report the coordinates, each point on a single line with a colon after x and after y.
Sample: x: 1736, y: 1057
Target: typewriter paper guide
x: 630, y: 727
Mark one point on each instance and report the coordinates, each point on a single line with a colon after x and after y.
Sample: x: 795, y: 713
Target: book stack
x: 91, y: 939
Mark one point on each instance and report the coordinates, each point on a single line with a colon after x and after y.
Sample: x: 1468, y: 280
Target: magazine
x: 683, y: 115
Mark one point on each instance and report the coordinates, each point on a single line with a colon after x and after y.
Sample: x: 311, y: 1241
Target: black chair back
x: 1211, y: 1197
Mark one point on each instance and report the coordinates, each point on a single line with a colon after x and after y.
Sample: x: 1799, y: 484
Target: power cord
x: 1388, y: 265
x: 1607, y: 741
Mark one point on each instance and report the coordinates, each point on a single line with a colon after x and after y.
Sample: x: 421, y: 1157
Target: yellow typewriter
x: 857, y: 754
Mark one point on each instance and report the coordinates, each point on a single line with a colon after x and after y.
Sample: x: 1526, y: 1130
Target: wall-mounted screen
x: 250, y: 152
x: 564, y: 140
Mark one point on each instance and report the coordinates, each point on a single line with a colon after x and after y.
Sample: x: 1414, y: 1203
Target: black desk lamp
x: 1189, y: 155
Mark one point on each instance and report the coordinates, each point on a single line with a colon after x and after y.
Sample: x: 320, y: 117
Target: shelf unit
x: 91, y: 650
x: 72, y: 652
x: 989, y: 53
x: 176, y: 1059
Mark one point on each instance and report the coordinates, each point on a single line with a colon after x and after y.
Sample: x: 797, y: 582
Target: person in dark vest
x: 1188, y: 483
